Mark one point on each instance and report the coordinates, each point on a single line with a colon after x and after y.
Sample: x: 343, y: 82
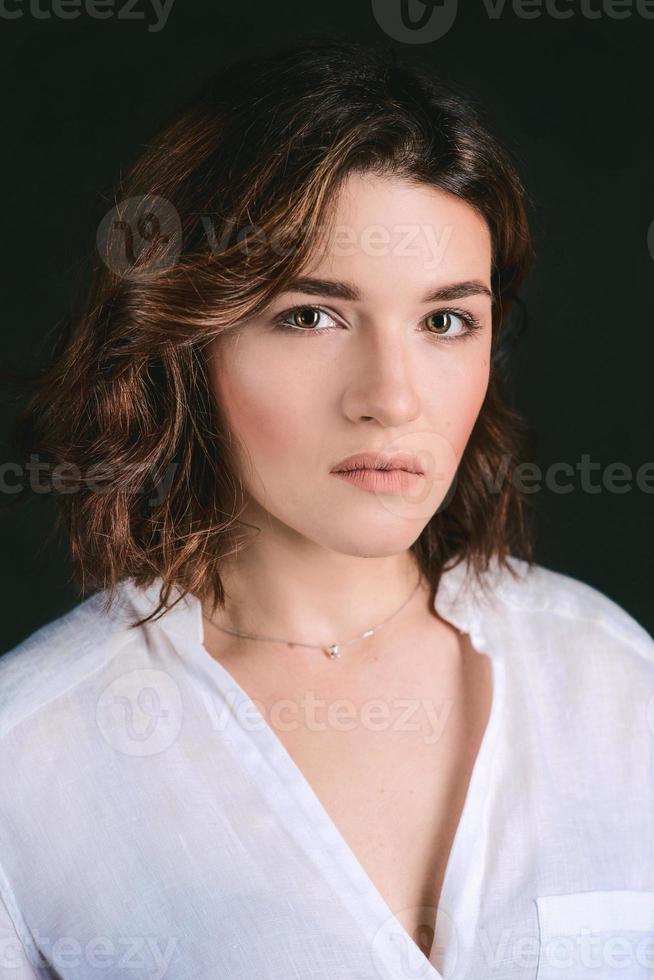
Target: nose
x: 382, y: 381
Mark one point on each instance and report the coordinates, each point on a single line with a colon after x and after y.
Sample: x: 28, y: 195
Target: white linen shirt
x: 153, y: 825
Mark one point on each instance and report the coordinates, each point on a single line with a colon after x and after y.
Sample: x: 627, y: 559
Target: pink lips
x: 381, y: 481
x: 379, y: 461
x: 379, y: 472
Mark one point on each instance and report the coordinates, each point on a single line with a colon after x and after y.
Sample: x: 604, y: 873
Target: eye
x: 305, y: 319
x: 440, y: 323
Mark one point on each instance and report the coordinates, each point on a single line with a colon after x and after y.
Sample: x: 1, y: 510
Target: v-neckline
x: 264, y: 754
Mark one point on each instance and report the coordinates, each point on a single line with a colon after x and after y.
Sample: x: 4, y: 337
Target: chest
x: 395, y: 797
x: 391, y: 767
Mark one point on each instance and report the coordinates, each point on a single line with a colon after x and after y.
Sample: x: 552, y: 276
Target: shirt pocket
x: 605, y: 935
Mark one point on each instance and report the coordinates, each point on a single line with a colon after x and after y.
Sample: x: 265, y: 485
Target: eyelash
x: 472, y: 323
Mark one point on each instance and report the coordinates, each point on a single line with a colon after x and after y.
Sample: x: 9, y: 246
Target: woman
x: 324, y: 716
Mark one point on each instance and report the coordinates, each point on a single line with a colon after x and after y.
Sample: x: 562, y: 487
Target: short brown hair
x: 263, y: 147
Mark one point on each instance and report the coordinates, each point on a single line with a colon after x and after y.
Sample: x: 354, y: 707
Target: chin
x: 361, y: 540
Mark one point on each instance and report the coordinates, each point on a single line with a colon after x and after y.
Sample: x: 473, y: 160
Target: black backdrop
x: 568, y: 86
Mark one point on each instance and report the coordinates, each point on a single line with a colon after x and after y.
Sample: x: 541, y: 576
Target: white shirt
x: 153, y: 825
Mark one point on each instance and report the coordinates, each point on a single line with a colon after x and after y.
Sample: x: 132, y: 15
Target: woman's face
x: 372, y: 361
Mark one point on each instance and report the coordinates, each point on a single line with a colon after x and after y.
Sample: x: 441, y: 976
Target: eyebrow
x: 345, y: 290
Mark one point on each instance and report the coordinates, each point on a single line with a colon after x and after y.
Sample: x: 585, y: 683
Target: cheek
x: 457, y: 402
x: 265, y: 411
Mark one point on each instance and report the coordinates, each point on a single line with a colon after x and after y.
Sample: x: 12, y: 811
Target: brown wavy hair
x: 253, y: 162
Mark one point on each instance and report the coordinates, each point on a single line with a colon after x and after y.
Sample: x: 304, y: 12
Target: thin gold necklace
x: 334, y: 649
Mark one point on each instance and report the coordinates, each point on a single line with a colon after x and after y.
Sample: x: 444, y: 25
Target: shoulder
x: 59, y: 656
x: 567, y: 606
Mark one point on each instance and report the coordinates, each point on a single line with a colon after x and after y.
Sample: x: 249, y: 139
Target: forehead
x: 395, y: 232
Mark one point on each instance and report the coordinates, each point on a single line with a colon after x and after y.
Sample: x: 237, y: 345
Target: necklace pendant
x: 333, y: 651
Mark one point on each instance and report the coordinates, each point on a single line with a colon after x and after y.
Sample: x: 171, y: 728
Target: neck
x: 309, y: 595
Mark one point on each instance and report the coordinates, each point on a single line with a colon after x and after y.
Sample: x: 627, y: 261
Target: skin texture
x: 332, y: 559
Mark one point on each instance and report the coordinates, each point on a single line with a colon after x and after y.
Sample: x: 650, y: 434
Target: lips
x: 379, y: 461
x: 381, y: 481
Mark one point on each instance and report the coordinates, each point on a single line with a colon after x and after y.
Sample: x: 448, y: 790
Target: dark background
x: 572, y: 99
